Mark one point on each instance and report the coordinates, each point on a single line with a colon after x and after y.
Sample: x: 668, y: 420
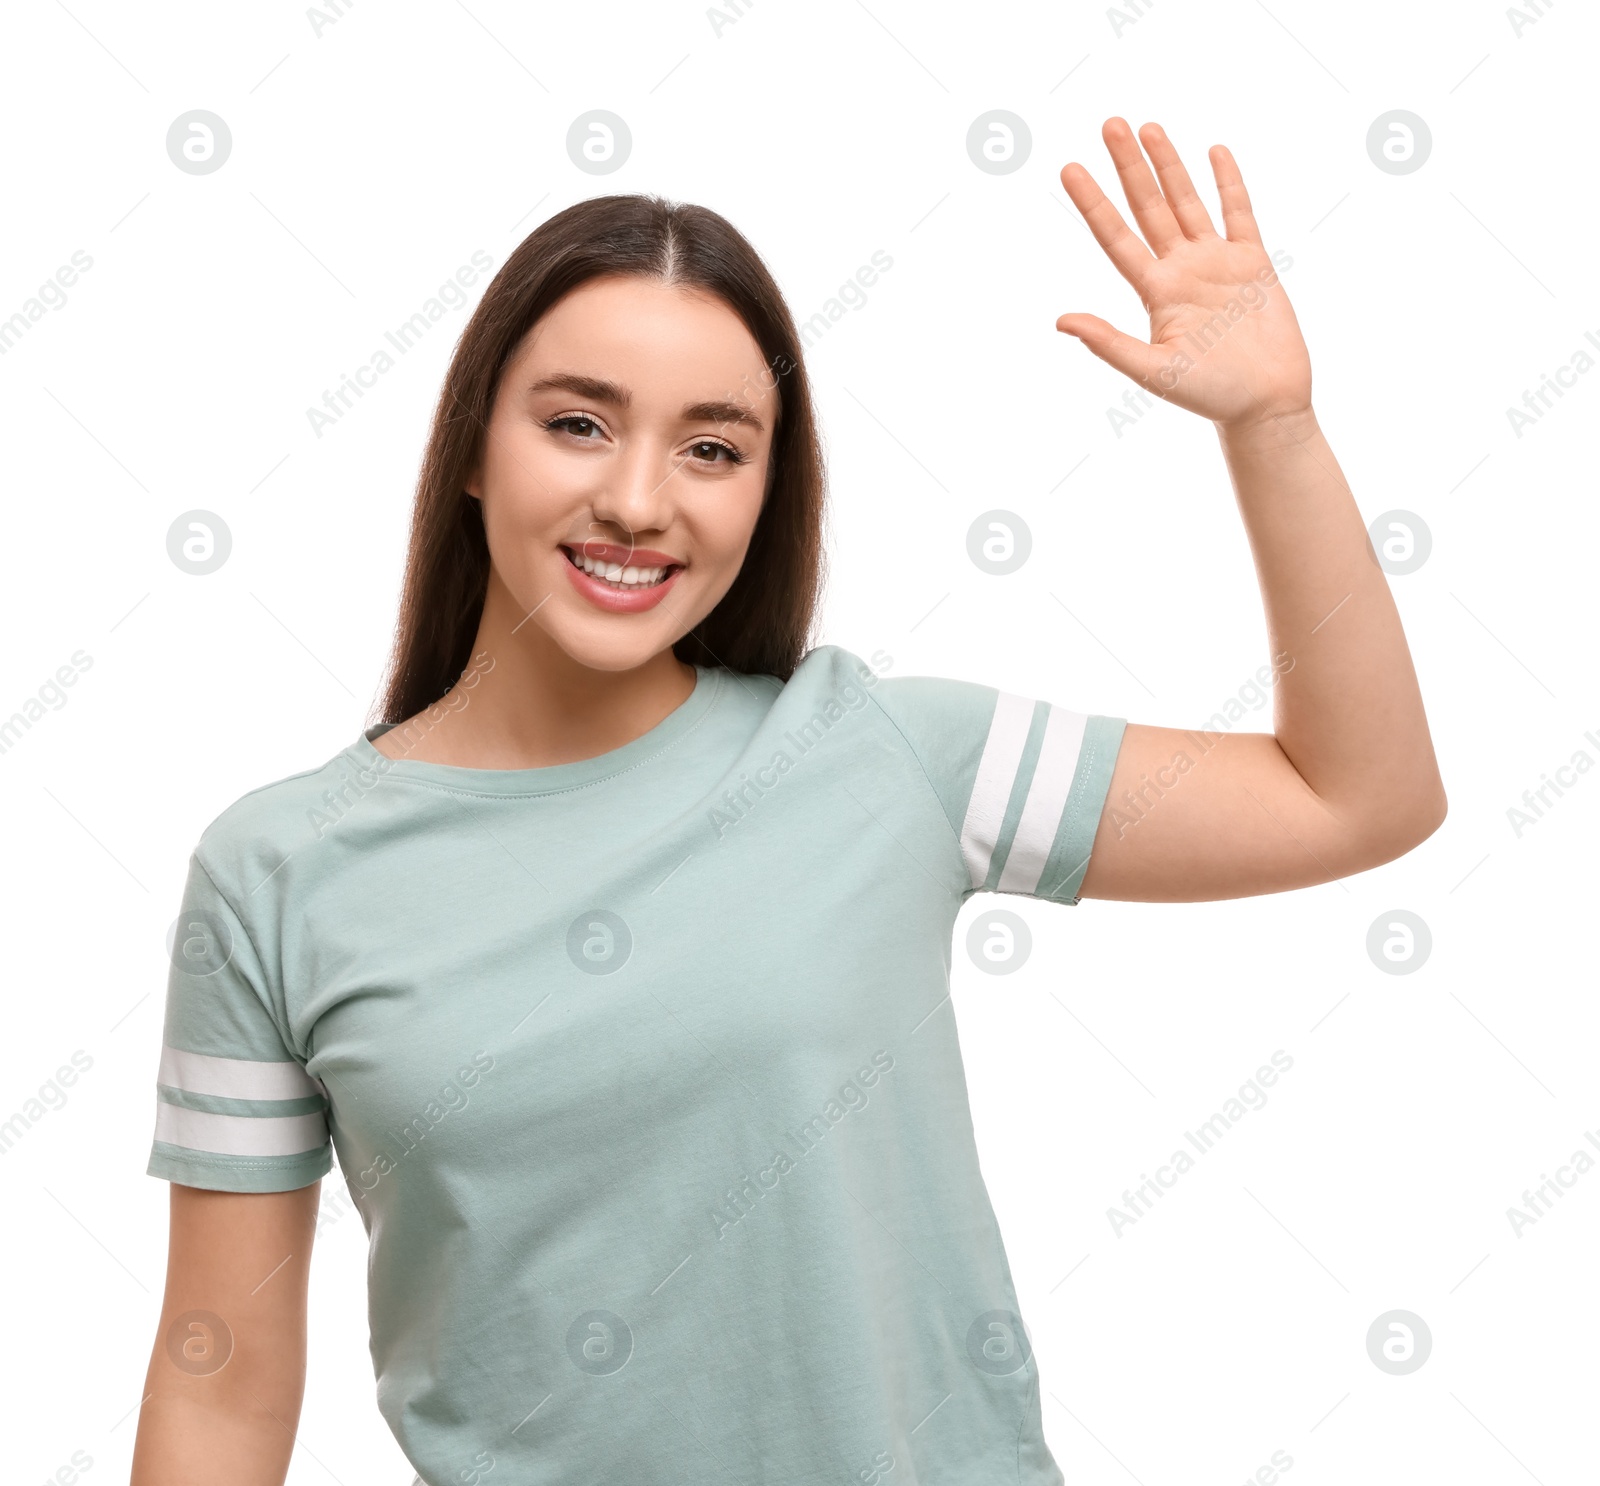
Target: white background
x: 369, y: 162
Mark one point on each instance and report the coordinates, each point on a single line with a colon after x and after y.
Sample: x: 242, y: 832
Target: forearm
x: 1348, y: 711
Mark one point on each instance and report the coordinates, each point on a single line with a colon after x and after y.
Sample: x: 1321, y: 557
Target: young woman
x: 614, y: 962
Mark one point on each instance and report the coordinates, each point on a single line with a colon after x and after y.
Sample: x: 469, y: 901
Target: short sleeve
x: 235, y: 1110
x: 1022, y: 781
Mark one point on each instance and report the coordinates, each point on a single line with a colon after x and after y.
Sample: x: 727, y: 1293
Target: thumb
x: 1133, y: 358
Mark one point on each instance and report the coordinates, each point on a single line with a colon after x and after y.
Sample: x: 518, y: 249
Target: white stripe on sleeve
x: 233, y: 1078
x: 997, y: 771
x: 1047, y: 798
x: 239, y: 1135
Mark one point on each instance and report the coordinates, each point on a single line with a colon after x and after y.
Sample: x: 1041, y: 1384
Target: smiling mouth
x: 624, y: 577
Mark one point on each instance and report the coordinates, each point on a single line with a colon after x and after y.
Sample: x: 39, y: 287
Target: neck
x: 523, y: 702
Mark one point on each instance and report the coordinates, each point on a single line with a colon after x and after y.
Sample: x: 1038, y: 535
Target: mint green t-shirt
x: 643, y: 1074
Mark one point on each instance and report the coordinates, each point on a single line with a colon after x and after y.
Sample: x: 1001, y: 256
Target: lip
x: 616, y: 600
x: 637, y: 557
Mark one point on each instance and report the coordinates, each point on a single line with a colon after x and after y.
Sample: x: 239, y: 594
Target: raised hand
x: 1224, y: 341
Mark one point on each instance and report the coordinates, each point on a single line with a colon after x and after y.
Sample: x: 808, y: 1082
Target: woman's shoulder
x: 269, y: 822
x: 828, y: 667
x: 832, y: 672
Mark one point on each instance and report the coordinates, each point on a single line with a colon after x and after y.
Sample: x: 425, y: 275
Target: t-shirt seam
x: 270, y: 784
x: 964, y: 876
x: 547, y: 794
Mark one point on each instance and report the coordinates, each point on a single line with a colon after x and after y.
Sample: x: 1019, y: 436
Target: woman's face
x: 630, y: 436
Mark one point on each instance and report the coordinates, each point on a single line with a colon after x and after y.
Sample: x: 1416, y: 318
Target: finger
x: 1123, y: 246
x: 1238, y: 222
x: 1150, y: 208
x: 1131, y: 356
x: 1179, y: 190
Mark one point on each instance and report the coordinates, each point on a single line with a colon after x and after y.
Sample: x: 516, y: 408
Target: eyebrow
x: 602, y: 390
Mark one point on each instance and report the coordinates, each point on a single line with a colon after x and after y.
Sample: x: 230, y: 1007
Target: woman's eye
x: 571, y: 418
x: 587, y: 431
x: 715, y: 447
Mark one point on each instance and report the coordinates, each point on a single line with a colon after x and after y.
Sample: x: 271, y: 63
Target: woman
x: 614, y: 962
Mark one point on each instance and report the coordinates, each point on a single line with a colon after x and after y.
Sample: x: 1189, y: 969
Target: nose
x: 636, y: 491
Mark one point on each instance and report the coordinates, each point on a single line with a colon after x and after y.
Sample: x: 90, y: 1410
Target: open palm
x: 1224, y: 341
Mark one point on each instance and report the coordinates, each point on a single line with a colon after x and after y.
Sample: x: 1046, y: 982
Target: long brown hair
x: 763, y: 623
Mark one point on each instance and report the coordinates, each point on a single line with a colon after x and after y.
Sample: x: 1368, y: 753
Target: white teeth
x: 635, y: 577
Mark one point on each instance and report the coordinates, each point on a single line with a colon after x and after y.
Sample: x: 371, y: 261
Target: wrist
x: 1271, y: 428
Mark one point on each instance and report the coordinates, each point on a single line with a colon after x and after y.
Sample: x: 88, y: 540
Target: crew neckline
x: 548, y: 778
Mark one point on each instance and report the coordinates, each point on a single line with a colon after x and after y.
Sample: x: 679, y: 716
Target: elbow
x: 1432, y: 808
x: 1401, y: 830
x: 1426, y: 822
x: 1440, y: 809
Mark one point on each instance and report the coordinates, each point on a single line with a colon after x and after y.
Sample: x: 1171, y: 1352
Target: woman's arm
x: 1347, y: 779
x: 222, y: 1402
